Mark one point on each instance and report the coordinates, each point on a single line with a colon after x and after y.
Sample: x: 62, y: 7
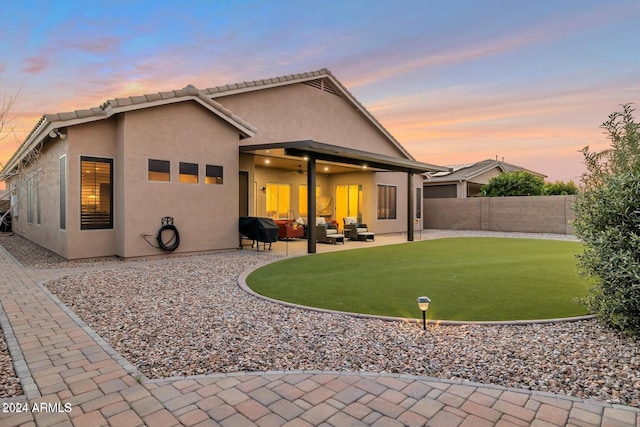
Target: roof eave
x: 347, y: 155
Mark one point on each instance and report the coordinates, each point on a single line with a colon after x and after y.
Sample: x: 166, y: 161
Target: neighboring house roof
x: 466, y: 172
x: 315, y: 78
x: 49, y: 124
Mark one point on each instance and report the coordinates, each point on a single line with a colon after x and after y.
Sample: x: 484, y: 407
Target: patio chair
x: 328, y: 232
x: 355, y: 231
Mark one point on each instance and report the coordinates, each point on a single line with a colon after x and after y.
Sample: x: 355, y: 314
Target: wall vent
x: 323, y: 85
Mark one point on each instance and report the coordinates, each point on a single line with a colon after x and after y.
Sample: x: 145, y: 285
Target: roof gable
x: 321, y: 79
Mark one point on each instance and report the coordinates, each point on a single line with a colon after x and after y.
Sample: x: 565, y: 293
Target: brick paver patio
x: 71, y: 377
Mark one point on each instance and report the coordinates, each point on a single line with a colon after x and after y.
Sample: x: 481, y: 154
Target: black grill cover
x: 260, y: 229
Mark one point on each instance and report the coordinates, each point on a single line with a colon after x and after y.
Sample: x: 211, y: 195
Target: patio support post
x: 410, y: 206
x: 311, y: 205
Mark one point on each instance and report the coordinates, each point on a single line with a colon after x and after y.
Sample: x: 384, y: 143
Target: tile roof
x: 206, y: 97
x: 471, y: 170
x: 110, y: 107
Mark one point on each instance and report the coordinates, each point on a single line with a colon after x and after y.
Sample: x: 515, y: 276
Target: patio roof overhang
x: 336, y: 154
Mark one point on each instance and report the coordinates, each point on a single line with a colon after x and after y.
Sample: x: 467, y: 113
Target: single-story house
x: 102, y: 181
x: 466, y: 180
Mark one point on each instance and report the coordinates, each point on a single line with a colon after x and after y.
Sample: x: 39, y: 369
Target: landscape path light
x: 423, y: 304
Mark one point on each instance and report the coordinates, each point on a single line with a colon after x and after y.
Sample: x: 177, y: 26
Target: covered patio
x: 327, y: 159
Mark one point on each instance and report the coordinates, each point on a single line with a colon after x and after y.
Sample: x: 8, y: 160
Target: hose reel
x: 173, y: 242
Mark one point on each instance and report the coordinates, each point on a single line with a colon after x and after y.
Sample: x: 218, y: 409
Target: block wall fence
x: 528, y: 214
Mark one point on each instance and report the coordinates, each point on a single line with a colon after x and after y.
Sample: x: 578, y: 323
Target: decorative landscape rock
x: 9, y: 382
x: 188, y: 316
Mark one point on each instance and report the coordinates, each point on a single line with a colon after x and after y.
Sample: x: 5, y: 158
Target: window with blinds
x: 63, y: 192
x: 96, y: 187
x: 159, y: 170
x: 188, y: 173
x: 213, y: 174
x: 387, y: 201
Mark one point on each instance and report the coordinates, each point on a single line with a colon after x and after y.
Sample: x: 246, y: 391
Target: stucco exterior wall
x: 533, y: 214
x: 45, y: 176
x: 206, y: 215
x: 96, y: 139
x: 301, y: 112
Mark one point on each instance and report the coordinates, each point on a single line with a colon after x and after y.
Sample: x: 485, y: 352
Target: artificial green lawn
x: 466, y: 279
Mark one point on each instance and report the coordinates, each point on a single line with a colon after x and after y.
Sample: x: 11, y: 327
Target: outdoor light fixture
x: 57, y: 133
x: 423, y: 304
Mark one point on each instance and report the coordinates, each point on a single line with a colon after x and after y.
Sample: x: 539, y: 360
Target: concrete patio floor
x: 71, y: 377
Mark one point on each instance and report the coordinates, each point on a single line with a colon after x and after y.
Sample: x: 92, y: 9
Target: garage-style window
x: 387, y: 201
x: 96, y: 187
x: 159, y: 170
x: 188, y: 173
x: 213, y: 174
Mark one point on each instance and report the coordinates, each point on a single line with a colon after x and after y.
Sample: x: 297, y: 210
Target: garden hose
x: 173, y: 243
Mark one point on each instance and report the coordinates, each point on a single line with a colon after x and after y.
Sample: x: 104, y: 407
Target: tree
x: 559, y: 188
x: 608, y: 223
x: 6, y: 129
x: 518, y: 183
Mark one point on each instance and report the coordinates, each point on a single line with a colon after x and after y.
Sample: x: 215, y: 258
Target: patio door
x: 348, y: 202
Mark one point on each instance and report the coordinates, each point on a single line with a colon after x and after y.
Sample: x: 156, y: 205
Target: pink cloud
x: 372, y: 70
x: 96, y: 45
x: 36, y: 64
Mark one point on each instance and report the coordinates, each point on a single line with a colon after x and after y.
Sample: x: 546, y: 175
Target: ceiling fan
x: 300, y: 171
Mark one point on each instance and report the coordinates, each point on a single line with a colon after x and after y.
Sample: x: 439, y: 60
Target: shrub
x: 608, y: 222
x: 518, y: 183
x: 559, y: 188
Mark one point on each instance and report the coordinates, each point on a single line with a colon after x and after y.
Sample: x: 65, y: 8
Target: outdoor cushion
x: 350, y: 220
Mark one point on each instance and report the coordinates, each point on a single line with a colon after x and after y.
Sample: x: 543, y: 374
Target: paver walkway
x: 71, y: 377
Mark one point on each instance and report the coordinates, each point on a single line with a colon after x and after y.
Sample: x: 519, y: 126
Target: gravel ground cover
x: 9, y: 382
x: 188, y: 317
x: 34, y: 256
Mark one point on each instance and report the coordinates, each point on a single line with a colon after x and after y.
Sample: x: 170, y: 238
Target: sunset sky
x: 454, y: 81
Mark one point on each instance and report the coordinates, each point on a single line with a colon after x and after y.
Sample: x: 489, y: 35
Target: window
x: 63, y: 193
x: 418, y: 203
x: 213, y: 174
x: 188, y: 173
x: 278, y: 200
x: 159, y: 170
x: 33, y: 199
x: 96, y: 183
x: 387, y: 201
